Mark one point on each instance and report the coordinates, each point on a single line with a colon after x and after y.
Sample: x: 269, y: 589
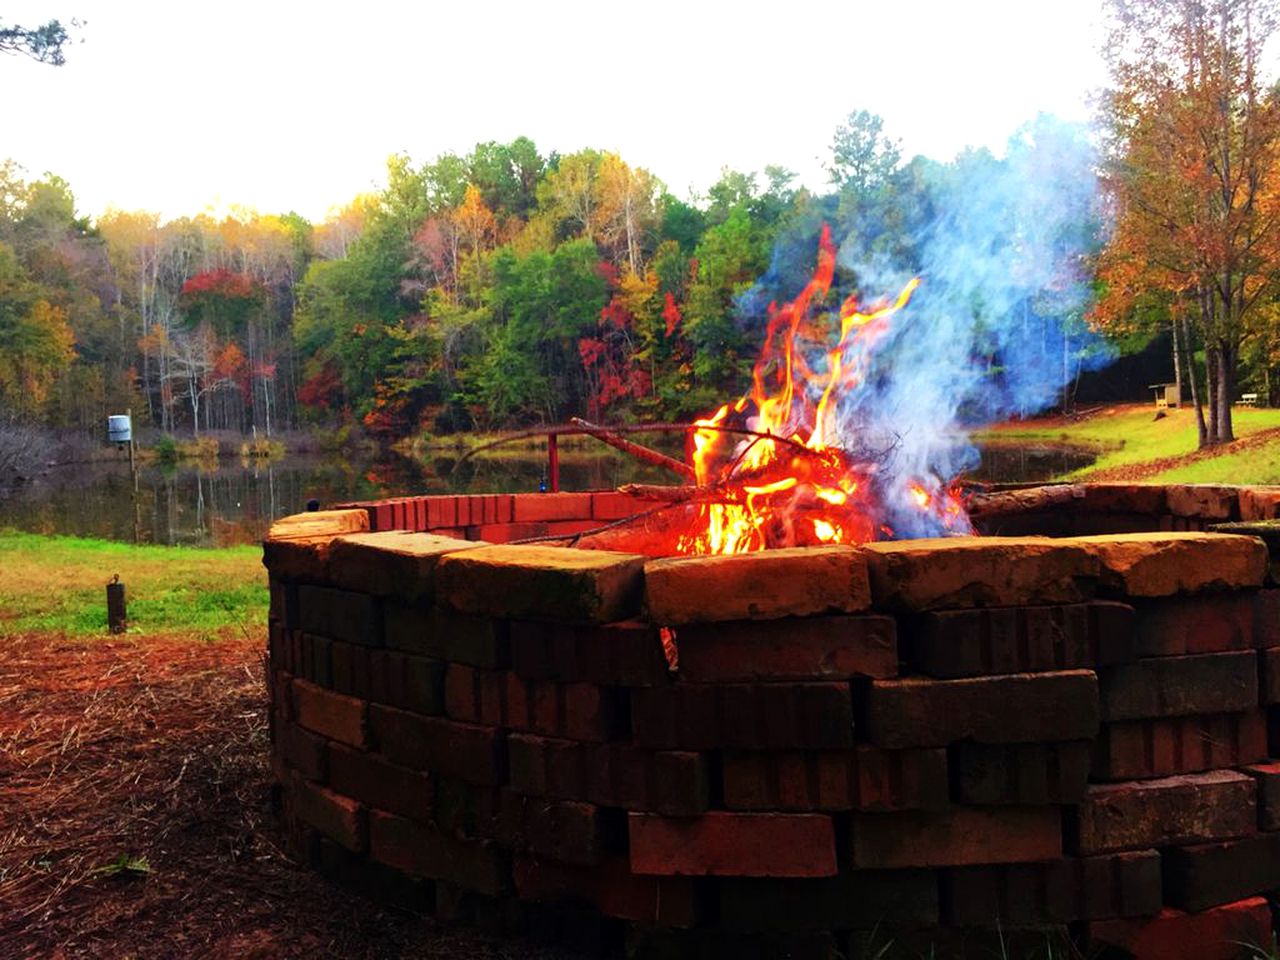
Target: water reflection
x: 228, y: 502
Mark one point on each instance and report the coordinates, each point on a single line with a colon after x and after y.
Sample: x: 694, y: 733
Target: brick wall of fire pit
x: 835, y: 748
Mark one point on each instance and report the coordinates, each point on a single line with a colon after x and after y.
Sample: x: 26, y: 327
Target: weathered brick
x: 863, y: 778
x: 576, y: 711
x: 1179, y: 625
x: 339, y: 818
x: 1195, y: 808
x: 302, y: 751
x: 1012, y: 895
x: 475, y: 641
x: 568, y: 831
x: 405, y: 681
x: 1266, y: 618
x: 423, y: 850
x: 1258, y: 503
x: 1026, y: 707
x: 552, y: 583
x: 1268, y: 777
x: 410, y: 628
x: 921, y: 575
x: 626, y: 654
x: 468, y: 810
x: 552, y: 506
x: 298, y: 561
x: 733, y: 844
x: 1120, y: 885
x: 710, y: 944
x: 340, y: 614
x: 807, y: 648
x: 1142, y: 498
x: 474, y: 754
x: 959, y: 836
x: 1160, y: 564
x: 350, y: 668
x: 1223, y: 933
x: 743, y: 716
x: 330, y: 714
x: 1019, y: 773
x: 764, y: 585
x: 970, y: 643
x: 284, y: 603
x: 391, y: 564
x: 373, y: 781
x: 1143, y: 749
x: 1180, y: 686
x: 610, y: 774
x: 611, y: 888
x: 615, y: 506
x: 1269, y: 674
x: 862, y: 898
x: 318, y: 523
x: 1208, y: 875
x: 319, y: 668
x: 1202, y: 501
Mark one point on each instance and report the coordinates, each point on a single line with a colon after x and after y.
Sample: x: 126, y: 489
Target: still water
x: 231, y: 501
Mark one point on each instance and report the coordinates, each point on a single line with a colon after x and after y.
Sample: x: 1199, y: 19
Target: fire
x: 772, y: 466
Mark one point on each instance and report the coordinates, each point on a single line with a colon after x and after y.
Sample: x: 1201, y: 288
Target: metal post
x: 553, y: 460
x: 117, y: 614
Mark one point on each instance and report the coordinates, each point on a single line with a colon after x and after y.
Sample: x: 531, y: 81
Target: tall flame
x: 788, y: 482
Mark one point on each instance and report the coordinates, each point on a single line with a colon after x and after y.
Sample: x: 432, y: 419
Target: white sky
x: 176, y: 106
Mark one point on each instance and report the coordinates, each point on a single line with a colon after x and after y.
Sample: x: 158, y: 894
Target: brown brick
x: 1026, y: 707
x: 474, y: 754
x: 339, y: 818
x: 615, y: 506
x: 330, y: 714
x: 391, y: 564
x: 959, y: 836
x: 468, y: 810
x: 1258, y: 503
x: 733, y: 844
x: 1143, y: 749
x: 1019, y: 773
x: 1268, y: 777
x: 611, y: 888
x: 422, y: 850
x: 863, y: 778
x: 1222, y: 933
x: 475, y: 641
x: 410, y: 628
x: 1211, y: 874
x: 373, y: 781
x: 299, y: 561
x: 568, y: 831
x: 861, y: 899
x: 1160, y: 564
x: 1266, y: 618
x: 350, y: 668
x: 340, y: 614
x: 552, y: 506
x: 552, y: 583
x: 970, y: 643
x: 757, y: 586
x: 1210, y: 623
x: 1180, y: 686
x: 743, y: 716
x: 1269, y: 670
x: 919, y: 575
x: 627, y: 654
x: 408, y: 682
x: 303, y: 751
x: 576, y: 711
x: 1120, y: 885
x: 808, y: 648
x: 1139, y: 498
x: 318, y: 523
x: 1202, y: 501
x: 1194, y: 808
x: 1014, y: 895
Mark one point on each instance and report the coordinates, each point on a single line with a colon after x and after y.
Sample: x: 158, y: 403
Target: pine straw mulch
x: 1136, y: 472
x: 156, y: 748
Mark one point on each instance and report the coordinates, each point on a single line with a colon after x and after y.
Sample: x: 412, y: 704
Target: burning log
x: 642, y: 453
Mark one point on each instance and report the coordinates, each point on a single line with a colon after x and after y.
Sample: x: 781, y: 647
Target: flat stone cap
x: 1162, y: 564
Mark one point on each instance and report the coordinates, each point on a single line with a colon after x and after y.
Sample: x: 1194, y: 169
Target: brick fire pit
x: 915, y: 741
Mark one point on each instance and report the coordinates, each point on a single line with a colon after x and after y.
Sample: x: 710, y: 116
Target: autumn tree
x: 1192, y: 173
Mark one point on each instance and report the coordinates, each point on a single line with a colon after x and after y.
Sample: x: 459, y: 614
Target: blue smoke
x: 996, y: 328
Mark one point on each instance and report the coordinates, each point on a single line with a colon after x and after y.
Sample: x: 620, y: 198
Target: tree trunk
x: 1211, y: 388
x: 1202, y: 433
x: 1177, y: 361
x: 1226, y: 390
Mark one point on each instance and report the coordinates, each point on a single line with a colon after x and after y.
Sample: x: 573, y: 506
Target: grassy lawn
x: 58, y: 585
x: 1130, y: 435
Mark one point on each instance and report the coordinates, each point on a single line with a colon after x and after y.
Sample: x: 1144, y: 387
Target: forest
x: 509, y: 287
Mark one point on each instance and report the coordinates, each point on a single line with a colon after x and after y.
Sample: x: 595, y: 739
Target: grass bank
x: 58, y: 585
x: 1131, y: 444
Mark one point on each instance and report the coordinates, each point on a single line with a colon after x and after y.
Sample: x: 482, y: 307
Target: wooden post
x: 117, y: 618
x: 553, y: 460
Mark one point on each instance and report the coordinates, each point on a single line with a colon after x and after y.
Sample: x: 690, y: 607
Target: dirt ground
x: 135, y: 816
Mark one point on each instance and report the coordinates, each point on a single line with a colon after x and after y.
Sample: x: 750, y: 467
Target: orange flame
x: 791, y: 484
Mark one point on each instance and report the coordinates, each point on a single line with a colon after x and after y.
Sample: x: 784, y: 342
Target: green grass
x: 1129, y: 435
x: 58, y: 585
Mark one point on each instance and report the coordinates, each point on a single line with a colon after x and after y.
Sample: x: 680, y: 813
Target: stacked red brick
x: 917, y: 739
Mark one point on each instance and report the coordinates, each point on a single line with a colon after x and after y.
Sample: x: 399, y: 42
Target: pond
x: 229, y: 501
